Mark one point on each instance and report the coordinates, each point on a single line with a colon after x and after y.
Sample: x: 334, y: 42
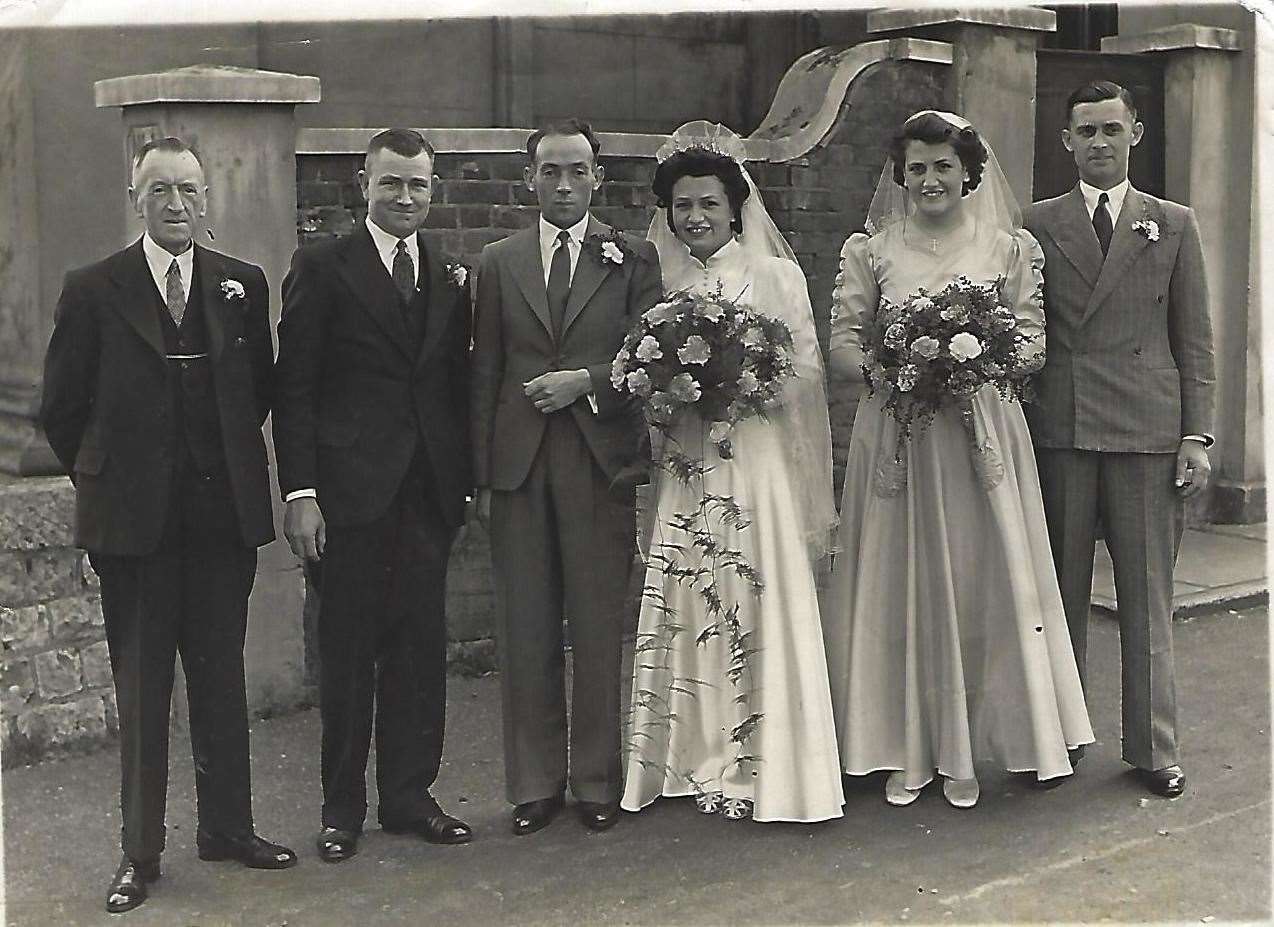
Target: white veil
x: 802, y: 414
x: 991, y: 205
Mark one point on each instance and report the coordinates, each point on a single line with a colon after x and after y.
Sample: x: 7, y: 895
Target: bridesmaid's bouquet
x: 707, y: 351
x: 939, y: 349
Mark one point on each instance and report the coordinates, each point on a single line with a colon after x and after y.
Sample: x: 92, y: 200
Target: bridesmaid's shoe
x: 708, y: 802
x: 737, y: 809
x: 961, y: 793
x: 896, y: 793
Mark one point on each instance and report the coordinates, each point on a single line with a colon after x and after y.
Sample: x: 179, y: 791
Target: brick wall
x: 55, y: 674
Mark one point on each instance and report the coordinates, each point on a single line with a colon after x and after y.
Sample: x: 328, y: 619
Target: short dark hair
x: 405, y: 142
x: 699, y: 162
x: 1097, y: 91
x: 167, y: 143
x: 570, y: 126
x: 934, y: 130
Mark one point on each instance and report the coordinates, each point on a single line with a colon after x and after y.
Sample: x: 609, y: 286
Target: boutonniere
x: 1149, y: 228
x: 232, y: 291
x: 609, y: 249
x: 458, y: 274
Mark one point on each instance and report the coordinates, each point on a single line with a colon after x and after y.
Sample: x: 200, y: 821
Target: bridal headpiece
x: 709, y: 136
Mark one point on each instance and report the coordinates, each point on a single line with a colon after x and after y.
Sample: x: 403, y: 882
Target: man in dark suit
x: 156, y: 385
x: 558, y: 453
x: 371, y: 435
x: 1125, y: 410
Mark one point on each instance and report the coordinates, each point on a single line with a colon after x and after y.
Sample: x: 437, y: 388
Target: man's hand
x: 482, y: 507
x: 1193, y: 468
x: 557, y: 389
x: 304, y: 528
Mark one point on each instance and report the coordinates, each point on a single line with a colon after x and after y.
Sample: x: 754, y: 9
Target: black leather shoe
x: 336, y: 845
x: 535, y: 815
x: 252, y: 851
x: 129, y: 887
x: 1075, y: 754
x: 1169, y: 783
x: 435, y: 828
x: 599, y: 816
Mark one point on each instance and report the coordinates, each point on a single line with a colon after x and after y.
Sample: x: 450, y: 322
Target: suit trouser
x: 190, y: 597
x: 562, y: 544
x: 383, y: 649
x: 1143, y: 518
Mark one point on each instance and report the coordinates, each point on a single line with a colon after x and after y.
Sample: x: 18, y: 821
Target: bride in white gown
x: 763, y: 746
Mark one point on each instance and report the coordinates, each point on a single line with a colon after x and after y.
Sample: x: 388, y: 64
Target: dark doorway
x: 1060, y: 72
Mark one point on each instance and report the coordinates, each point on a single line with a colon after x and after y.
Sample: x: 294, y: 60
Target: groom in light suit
x: 557, y: 456
x: 1125, y: 410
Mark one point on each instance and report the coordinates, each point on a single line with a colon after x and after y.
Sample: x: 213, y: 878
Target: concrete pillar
x: 242, y: 122
x: 1208, y: 110
x: 992, y: 80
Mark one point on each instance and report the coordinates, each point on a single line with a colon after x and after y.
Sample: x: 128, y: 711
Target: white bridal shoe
x: 961, y: 793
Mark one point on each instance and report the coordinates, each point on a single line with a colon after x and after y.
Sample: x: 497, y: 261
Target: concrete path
x: 1097, y: 848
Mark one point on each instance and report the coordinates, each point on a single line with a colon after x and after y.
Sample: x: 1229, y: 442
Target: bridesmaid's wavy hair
x: 934, y: 130
x: 699, y: 162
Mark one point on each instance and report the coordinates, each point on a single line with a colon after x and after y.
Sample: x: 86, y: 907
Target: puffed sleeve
x: 856, y: 294
x: 1024, y: 292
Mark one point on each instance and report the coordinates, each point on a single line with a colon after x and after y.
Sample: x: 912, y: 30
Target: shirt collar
x: 1115, y: 194
x: 549, y: 232
x: 159, y: 261
x: 386, y: 244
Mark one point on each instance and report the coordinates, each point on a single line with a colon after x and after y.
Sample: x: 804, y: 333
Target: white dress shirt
x: 1115, y: 202
x: 548, y: 246
x: 387, y: 245
x: 159, y: 260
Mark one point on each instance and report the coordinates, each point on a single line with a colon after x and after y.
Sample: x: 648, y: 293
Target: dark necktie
x: 174, y: 294
x: 559, y: 286
x: 404, y: 273
x: 1102, y: 224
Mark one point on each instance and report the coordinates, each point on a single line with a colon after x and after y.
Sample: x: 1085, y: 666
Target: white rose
x: 965, y: 346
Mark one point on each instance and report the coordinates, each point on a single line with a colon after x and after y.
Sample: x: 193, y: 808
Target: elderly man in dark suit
x: 156, y: 385
x: 1125, y: 410
x: 372, y: 437
x: 558, y: 454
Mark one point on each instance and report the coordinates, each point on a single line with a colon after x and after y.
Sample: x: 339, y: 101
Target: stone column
x: 242, y: 123
x: 992, y: 80
x: 1209, y: 166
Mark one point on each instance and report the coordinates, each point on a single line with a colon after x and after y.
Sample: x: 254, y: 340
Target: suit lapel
x: 367, y: 279
x: 527, y: 267
x: 136, y: 301
x: 589, y: 274
x: 209, y: 272
x: 1125, y: 245
x: 442, y: 299
x: 1073, y: 232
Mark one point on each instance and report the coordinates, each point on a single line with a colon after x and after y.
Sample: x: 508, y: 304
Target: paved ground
x: 1095, y: 849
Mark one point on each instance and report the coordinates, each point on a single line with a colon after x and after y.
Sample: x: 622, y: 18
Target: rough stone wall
x: 55, y: 673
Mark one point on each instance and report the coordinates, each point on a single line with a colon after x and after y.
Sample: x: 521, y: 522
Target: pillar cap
x: 1021, y: 17
x: 203, y: 83
x: 1177, y: 37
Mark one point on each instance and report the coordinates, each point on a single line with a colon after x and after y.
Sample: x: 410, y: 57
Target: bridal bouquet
x: 707, y: 351
x: 938, y: 349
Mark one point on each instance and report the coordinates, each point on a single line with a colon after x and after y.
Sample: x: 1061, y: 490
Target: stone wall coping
x: 1177, y: 37
x: 202, y: 83
x: 1021, y: 17
x: 333, y: 141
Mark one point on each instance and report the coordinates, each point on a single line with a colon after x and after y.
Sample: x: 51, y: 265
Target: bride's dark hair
x: 934, y: 130
x: 699, y: 162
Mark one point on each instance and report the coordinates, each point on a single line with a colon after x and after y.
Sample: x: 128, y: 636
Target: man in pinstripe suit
x: 1125, y: 409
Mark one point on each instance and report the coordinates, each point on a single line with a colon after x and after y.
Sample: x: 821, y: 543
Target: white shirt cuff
x: 301, y: 494
x: 1205, y: 440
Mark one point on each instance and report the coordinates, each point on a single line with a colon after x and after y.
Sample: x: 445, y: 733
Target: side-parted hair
x: 1097, y: 91
x: 405, y: 142
x: 570, y: 126
x: 934, y: 130
x: 699, y: 162
x: 167, y: 143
